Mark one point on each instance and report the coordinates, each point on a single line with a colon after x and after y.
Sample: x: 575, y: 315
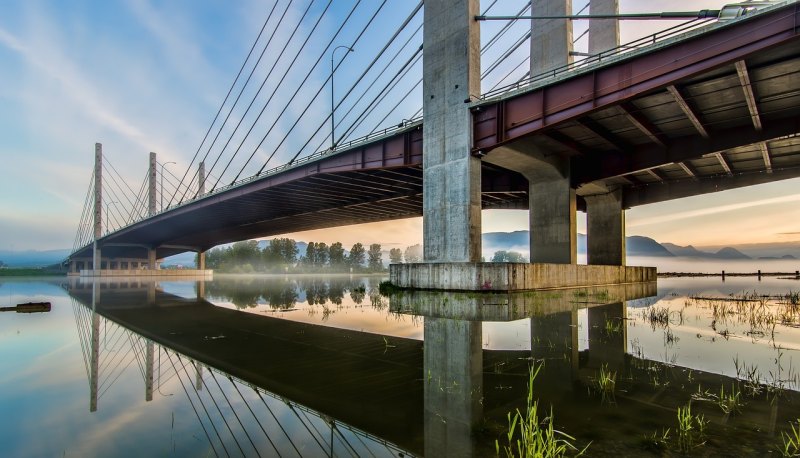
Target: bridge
x: 702, y: 107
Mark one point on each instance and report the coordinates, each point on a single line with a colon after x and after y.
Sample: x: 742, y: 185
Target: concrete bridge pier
x: 605, y: 229
x: 451, y: 175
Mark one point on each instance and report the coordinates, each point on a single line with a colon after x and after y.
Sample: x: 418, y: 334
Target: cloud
x: 671, y: 217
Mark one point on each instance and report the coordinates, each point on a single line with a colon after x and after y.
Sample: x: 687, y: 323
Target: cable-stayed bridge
x: 700, y: 107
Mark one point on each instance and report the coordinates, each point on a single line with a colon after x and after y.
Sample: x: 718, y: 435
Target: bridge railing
x: 599, y: 58
x: 405, y: 124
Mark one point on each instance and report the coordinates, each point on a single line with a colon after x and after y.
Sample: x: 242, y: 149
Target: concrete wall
x: 513, y: 277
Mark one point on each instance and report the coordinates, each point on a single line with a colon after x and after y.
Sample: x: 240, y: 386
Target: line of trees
x: 283, y: 255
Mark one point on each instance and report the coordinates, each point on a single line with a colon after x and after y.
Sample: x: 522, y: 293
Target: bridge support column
x: 152, y: 170
x: 551, y: 39
x: 451, y: 175
x: 553, y: 226
x: 152, y: 261
x: 603, y: 33
x: 605, y: 229
x: 201, y: 260
x: 148, y: 375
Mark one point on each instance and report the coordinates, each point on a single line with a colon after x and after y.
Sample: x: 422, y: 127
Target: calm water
x: 313, y: 366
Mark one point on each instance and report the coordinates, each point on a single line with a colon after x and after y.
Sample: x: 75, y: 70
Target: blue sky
x: 142, y: 75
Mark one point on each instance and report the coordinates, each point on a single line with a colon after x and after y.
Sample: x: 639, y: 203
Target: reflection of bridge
x: 352, y: 387
x: 712, y: 109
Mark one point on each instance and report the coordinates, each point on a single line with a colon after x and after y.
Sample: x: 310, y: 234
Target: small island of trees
x: 282, y: 255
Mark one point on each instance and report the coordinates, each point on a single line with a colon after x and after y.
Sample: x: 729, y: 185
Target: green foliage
x: 791, y: 441
x: 530, y: 436
x: 395, y: 256
x: 375, y: 261
x: 357, y: 256
x: 336, y: 256
x: 413, y: 254
x: 691, y: 428
x: 508, y: 256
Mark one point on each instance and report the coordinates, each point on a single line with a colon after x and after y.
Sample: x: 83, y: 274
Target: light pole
x: 107, y: 205
x: 333, y: 137
x: 162, y: 182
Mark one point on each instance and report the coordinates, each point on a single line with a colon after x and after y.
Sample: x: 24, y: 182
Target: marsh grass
x: 605, y: 383
x: 691, y: 428
x: 790, y: 441
x: 530, y: 436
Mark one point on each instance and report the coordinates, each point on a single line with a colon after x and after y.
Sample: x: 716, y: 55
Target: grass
x: 606, y: 383
x: 791, y: 441
x: 691, y: 428
x: 30, y: 272
x: 530, y: 436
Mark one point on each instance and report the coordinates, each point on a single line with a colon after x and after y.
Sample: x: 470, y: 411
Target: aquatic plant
x: 528, y: 436
x: 657, y: 442
x: 657, y: 317
x: 730, y: 403
x: 791, y: 441
x: 606, y: 382
x: 691, y: 428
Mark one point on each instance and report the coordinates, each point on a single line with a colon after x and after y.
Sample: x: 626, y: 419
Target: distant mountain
x: 519, y: 241
x: 730, y: 253
x: 32, y: 258
x: 786, y: 256
x: 692, y: 252
x: 687, y: 251
x: 636, y: 245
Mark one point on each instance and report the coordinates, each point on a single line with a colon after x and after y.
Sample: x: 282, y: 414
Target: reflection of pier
x: 315, y: 389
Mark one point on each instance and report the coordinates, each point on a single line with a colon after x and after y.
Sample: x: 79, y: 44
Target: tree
x: 357, y: 256
x: 281, y: 251
x: 336, y: 256
x: 395, y: 256
x: 321, y: 257
x: 375, y: 262
x: 413, y: 253
x: 508, y: 256
x: 311, y: 254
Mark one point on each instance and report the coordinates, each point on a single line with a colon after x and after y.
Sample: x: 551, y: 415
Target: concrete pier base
x: 166, y: 273
x: 488, y: 276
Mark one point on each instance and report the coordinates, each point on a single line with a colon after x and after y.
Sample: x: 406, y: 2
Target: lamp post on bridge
x: 162, y: 182
x: 333, y: 137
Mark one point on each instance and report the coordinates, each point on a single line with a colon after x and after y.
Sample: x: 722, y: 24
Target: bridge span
x: 712, y: 109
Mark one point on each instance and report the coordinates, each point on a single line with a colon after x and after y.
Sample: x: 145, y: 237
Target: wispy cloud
x: 671, y: 217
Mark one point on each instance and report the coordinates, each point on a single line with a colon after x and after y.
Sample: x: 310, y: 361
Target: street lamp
x: 333, y: 137
x: 162, y: 182
x: 108, y: 229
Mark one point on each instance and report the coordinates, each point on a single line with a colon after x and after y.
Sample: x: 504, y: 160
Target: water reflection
x: 328, y: 390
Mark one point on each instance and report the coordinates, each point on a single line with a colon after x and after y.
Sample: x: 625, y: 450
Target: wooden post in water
x: 759, y: 274
x: 723, y: 275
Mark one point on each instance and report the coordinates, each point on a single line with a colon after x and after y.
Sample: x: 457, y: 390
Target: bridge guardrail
x: 641, y: 43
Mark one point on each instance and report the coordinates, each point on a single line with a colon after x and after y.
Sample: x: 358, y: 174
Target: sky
x: 142, y: 75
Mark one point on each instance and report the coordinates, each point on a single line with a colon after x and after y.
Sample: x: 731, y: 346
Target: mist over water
x: 711, y: 266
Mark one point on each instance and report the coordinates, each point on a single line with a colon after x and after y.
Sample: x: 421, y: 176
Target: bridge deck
x: 712, y: 110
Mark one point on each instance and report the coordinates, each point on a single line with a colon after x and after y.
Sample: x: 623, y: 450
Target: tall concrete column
x: 201, y: 178
x: 551, y: 39
x: 152, y: 261
x: 553, y: 225
x: 201, y: 260
x: 152, y: 195
x: 452, y: 177
x: 605, y: 229
x: 603, y: 33
x: 98, y: 204
x: 453, y: 385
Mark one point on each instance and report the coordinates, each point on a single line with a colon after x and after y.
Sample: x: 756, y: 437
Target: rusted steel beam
x: 610, y: 164
x: 523, y: 113
x: 693, y: 117
x: 749, y: 93
x: 642, y: 124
